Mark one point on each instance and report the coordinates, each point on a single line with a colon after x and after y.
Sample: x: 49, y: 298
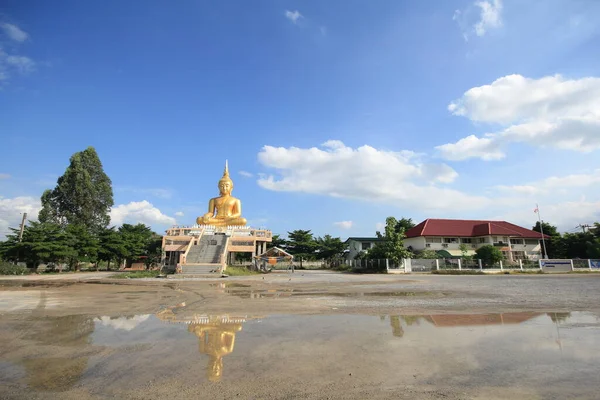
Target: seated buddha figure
x: 224, y: 210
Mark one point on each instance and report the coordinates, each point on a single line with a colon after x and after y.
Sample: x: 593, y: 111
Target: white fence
x: 428, y: 265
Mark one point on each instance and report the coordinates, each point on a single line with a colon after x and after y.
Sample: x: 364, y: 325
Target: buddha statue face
x: 225, y: 186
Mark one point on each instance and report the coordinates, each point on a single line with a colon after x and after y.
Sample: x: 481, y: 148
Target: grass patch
x: 240, y: 271
x: 136, y: 275
x: 456, y: 272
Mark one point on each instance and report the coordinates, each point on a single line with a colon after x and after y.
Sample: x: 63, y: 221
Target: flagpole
x: 537, y: 208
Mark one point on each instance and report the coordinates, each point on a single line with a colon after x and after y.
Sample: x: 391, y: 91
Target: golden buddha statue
x: 224, y: 210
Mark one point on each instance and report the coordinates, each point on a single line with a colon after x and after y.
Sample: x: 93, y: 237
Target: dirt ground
x: 311, y: 334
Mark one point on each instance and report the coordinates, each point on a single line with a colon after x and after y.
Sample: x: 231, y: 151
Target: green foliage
x: 83, y: 194
x: 489, y: 255
x: 456, y: 272
x: 278, y: 241
x: 112, y: 246
x: 391, y: 246
x: 301, y: 244
x: 329, y: 248
x: 571, y: 245
x: 7, y: 268
x: 137, y: 240
x: 239, y: 271
x: 428, y: 254
x: 136, y: 274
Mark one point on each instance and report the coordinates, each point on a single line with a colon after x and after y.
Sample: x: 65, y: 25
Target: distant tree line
x: 571, y: 245
x: 73, y: 224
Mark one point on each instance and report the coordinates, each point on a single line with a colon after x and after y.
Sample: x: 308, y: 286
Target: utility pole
x: 537, y: 211
x: 583, y: 226
x: 22, y: 227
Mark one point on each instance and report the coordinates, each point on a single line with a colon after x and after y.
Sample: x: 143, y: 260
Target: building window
x: 450, y: 240
x: 482, y: 240
x: 534, y: 242
x: 365, y: 246
x: 433, y: 240
x: 427, y: 244
x: 466, y: 240
x: 516, y: 241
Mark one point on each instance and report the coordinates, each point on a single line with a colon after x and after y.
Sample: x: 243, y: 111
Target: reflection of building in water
x: 216, y: 335
x: 456, y: 320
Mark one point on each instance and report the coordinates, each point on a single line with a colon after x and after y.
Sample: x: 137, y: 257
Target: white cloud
x: 124, y: 323
x: 246, y: 174
x: 14, y: 32
x: 139, y: 212
x: 293, y: 16
x: 479, y: 18
x: 21, y: 63
x: 343, y: 224
x: 11, y: 211
x: 365, y: 173
x: 380, y: 226
x: 14, y: 63
x: 4, y: 176
x: 565, y: 215
x: 555, y: 184
x: 546, y: 112
x: 179, y: 214
x: 471, y: 146
x: 490, y: 16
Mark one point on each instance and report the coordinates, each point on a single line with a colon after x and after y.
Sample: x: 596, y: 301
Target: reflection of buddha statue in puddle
x: 224, y: 210
x: 217, y: 339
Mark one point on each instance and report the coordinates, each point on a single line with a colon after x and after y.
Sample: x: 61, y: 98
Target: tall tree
x: 554, y: 244
x: 278, y: 241
x: 83, y: 194
x: 391, y: 246
x: 136, y: 239
x: 112, y: 246
x: 301, y: 244
x: 329, y: 247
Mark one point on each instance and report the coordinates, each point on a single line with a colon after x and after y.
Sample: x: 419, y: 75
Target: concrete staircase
x: 205, y: 257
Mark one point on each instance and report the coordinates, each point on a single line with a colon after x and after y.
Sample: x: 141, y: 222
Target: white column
x: 501, y: 266
x: 480, y: 263
x: 437, y: 263
x: 590, y: 264
x: 459, y: 264
x: 572, y: 267
x: 521, y: 264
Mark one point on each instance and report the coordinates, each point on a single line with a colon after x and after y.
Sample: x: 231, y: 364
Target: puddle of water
x: 536, y: 353
x: 285, y: 293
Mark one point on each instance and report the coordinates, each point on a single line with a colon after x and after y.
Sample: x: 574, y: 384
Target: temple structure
x: 212, y: 243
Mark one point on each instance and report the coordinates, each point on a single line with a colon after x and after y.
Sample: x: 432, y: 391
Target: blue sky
x: 333, y: 115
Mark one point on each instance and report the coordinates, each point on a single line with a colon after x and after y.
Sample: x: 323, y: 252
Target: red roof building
x: 446, y: 236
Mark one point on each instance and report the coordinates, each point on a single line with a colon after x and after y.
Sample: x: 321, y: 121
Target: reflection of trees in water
x: 59, y: 347
x: 216, y: 339
x: 558, y: 317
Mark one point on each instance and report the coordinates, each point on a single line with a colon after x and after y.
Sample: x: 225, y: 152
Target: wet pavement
x: 320, y: 341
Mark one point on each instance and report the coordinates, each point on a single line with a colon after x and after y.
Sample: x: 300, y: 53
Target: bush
x: 239, y: 271
x: 12, y: 269
x: 456, y: 272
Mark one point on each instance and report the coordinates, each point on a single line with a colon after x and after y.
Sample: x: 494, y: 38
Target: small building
x: 445, y: 236
x: 356, y: 245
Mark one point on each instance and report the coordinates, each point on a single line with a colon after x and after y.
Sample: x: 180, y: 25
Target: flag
x: 536, y: 210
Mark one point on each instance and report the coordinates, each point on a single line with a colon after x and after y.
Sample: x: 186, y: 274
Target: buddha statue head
x: 225, y: 183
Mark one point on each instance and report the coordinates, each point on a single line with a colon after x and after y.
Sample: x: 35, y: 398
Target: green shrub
x: 239, y: 271
x: 12, y: 269
x: 456, y: 272
x: 136, y: 274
